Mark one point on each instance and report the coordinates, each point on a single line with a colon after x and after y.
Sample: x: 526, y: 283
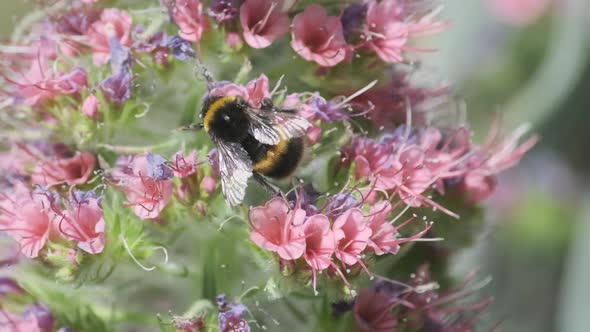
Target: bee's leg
x: 267, y: 105
x: 267, y: 186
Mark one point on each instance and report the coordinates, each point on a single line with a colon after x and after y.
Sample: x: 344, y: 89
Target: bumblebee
x: 252, y: 142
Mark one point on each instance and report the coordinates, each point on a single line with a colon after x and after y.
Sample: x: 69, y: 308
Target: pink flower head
x: 17, y: 323
x: 73, y: 171
x: 372, y: 159
x: 410, y: 176
x: 90, y: 106
x: 208, y: 184
x: 15, y: 161
x: 384, y: 235
x: 146, y: 181
x: 352, y: 236
x: 184, y: 166
x: 372, y: 311
x: 390, y: 23
x: 254, y: 92
x: 498, y: 154
x: 73, y: 26
x: 319, y: 244
x: 188, y: 15
x: 41, y: 83
x: 318, y: 37
x: 278, y: 228
x: 113, y: 23
x: 27, y: 218
x: 233, y: 40
x: 84, y: 223
x: 263, y: 21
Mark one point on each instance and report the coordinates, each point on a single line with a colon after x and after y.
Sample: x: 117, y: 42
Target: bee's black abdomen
x: 289, y: 161
x: 281, y: 162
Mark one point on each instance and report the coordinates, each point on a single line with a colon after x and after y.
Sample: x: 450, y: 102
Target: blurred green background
x: 538, y: 223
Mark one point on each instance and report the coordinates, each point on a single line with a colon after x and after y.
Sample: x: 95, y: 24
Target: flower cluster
x: 336, y: 236
x: 408, y: 162
x: 78, y: 79
x: 383, y: 27
x: 33, y: 218
x: 417, y: 305
x: 108, y: 35
x: 34, y: 317
x: 147, y: 181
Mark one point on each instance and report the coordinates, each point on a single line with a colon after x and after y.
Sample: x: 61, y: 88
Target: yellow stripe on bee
x: 213, y: 108
x: 268, y: 163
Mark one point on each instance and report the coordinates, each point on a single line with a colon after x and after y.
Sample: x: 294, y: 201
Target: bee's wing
x: 269, y: 127
x: 235, y: 167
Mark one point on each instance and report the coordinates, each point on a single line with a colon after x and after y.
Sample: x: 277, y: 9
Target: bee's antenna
x: 202, y: 71
x: 191, y: 127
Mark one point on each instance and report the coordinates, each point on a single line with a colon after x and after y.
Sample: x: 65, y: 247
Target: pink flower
x: 16, y: 161
x: 27, y: 218
x: 16, y: 323
x: 233, y: 40
x: 319, y: 244
x: 85, y: 224
x: 73, y: 171
x: 352, y: 236
x: 410, y: 176
x: 147, y: 187
x: 263, y: 21
x: 40, y: 83
x: 208, y: 184
x: 371, y: 159
x: 73, y: 27
x: 113, y: 23
x: 278, y: 228
x: 188, y: 15
x: 498, y: 154
x: 182, y: 166
x: 318, y: 37
x: 372, y: 311
x: 254, y: 92
x: 390, y: 23
x: 519, y: 12
x: 90, y: 106
x: 384, y: 235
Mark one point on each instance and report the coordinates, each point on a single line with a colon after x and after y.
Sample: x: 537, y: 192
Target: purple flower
x: 157, y: 167
x: 326, y: 110
x: 121, y: 57
x: 352, y: 18
x: 83, y: 197
x: 339, y: 203
x: 117, y: 87
x: 181, y: 48
x: 223, y: 11
x: 230, y: 316
x: 42, y: 314
x: 305, y: 198
x: 8, y: 286
x: 151, y: 43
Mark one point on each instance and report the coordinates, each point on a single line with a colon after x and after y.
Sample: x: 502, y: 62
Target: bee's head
x: 224, y: 117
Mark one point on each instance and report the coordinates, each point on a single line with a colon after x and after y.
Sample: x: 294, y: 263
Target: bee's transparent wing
x: 269, y: 127
x: 235, y: 167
